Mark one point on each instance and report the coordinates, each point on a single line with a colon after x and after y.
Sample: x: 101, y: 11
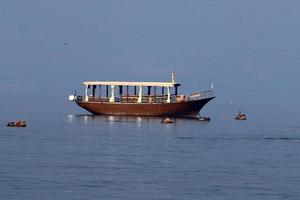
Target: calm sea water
x: 98, y: 157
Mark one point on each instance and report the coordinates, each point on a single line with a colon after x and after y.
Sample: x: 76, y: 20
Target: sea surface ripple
x: 98, y: 157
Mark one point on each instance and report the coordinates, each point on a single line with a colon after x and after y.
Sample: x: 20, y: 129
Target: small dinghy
x: 167, y: 120
x: 204, y: 118
x: 240, y: 116
x: 18, y: 123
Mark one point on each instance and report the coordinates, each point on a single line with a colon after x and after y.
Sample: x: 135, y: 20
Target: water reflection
x: 71, y: 118
x: 113, y: 120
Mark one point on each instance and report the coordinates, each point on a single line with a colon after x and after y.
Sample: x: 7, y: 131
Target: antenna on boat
x: 212, y: 86
x: 173, y: 76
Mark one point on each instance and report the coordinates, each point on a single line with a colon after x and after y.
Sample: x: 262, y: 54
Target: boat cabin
x: 130, y: 92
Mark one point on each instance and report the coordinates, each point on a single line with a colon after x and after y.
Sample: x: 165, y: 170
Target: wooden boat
x: 240, y: 116
x: 204, y: 118
x: 152, y: 103
x: 167, y: 120
x: 18, y: 123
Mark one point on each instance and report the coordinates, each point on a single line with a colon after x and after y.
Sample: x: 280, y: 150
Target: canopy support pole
x: 100, y: 92
x: 154, y: 93
x: 107, y: 91
x: 86, y: 98
x: 120, y: 90
x: 94, y: 90
x: 140, y: 95
x: 127, y: 93
x: 169, y: 95
x: 149, y: 90
x: 112, y: 98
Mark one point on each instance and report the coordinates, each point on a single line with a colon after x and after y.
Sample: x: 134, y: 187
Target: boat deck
x: 149, y: 98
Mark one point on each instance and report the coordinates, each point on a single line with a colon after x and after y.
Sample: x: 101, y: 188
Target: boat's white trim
x: 123, y: 83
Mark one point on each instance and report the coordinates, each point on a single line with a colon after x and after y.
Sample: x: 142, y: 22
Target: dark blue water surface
x: 106, y: 157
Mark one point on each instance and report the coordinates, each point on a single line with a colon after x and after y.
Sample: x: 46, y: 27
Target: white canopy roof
x: 122, y: 83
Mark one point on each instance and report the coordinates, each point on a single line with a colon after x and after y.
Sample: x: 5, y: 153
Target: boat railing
x: 131, y: 99
x: 79, y: 98
x: 201, y: 95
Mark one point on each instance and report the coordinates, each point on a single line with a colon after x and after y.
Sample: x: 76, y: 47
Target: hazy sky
x: 246, y: 48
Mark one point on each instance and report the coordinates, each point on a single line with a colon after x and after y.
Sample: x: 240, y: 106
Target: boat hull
x: 176, y: 109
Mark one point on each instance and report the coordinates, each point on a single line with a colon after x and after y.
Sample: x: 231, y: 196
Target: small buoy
x: 240, y: 116
x: 166, y: 120
x: 72, y: 98
x: 18, y: 123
